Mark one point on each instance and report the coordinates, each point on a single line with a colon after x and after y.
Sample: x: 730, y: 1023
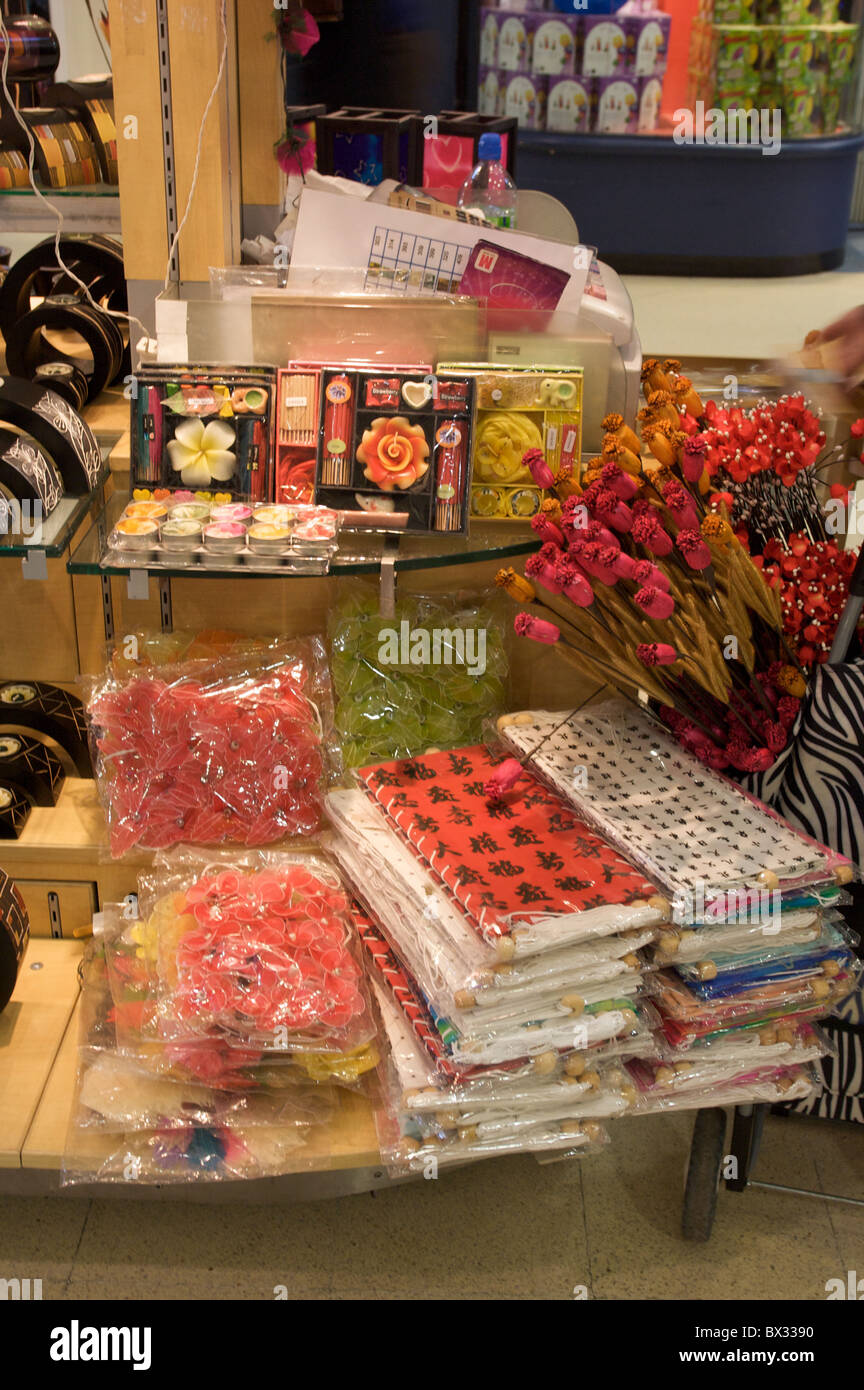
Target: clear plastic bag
x: 705, y: 1068
x: 827, y: 954
x: 117, y: 1093
x: 194, y: 1154
x: 426, y: 677
x: 773, y: 1088
x: 234, y: 744
x: 686, y: 1016
x: 252, y: 950
x: 794, y: 927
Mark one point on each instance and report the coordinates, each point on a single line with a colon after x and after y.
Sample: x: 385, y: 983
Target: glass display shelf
x: 359, y: 552
x: 21, y: 538
x: 86, y: 208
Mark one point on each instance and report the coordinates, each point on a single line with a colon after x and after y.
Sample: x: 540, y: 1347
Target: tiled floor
x: 501, y: 1229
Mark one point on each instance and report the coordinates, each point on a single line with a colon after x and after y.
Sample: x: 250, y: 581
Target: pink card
x: 509, y: 280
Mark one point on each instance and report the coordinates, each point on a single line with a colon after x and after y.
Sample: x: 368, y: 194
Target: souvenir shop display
x: 204, y: 429
x: 429, y: 675
x: 218, y: 1023
x: 14, y: 931
x: 530, y: 987
x: 528, y: 435
x: 398, y: 446
x: 172, y: 529
x: 654, y: 590
x: 497, y: 963
x: 233, y: 744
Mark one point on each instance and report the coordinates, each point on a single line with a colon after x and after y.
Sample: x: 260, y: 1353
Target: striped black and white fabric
x: 818, y: 785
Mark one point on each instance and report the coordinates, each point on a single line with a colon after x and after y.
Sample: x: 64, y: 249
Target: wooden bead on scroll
x: 544, y: 1063
x: 574, y: 1002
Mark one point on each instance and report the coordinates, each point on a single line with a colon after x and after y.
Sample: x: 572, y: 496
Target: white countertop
x: 680, y: 316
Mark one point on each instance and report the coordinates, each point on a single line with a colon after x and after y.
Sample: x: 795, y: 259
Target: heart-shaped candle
x: 416, y: 393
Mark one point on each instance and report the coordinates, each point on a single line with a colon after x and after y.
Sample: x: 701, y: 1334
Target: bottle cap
x: 489, y: 146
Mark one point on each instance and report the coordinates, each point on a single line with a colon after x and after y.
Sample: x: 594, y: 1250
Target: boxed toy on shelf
x: 574, y: 72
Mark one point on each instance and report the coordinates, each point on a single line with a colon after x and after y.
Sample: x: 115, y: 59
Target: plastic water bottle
x: 489, y: 187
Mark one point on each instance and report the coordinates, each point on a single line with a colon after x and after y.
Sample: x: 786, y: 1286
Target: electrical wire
x: 196, y: 170
x: 55, y: 211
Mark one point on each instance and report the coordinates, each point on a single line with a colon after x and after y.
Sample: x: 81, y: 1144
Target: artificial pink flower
x: 298, y: 32
x: 645, y: 573
x: 655, y: 603
x: 693, y: 459
x: 536, y: 628
x: 616, y: 480
x: 694, y: 549
x: 656, y: 653
x: 539, y: 570
x: 535, y: 461
x: 546, y: 529
x: 503, y: 778
x: 625, y: 565
x: 574, y: 585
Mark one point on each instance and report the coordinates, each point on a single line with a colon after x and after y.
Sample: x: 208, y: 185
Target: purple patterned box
x: 515, y: 36
x: 617, y: 105
x: 648, y: 43
x: 490, y: 26
x: 556, y: 44
x: 523, y: 95
x: 489, y: 92
x: 650, y: 91
x: 568, y: 107
x: 604, y: 50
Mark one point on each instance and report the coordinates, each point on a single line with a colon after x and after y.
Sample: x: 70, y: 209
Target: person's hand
x: 846, y: 339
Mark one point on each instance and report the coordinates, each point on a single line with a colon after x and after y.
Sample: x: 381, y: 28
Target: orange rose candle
x: 394, y: 453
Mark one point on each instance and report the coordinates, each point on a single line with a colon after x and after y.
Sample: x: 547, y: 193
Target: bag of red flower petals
x: 256, y: 952
x: 232, y: 742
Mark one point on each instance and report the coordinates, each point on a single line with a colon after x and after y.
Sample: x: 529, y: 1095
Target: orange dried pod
x: 613, y: 423
x: 661, y: 446
x: 654, y: 378
x: 686, y: 397
x: 515, y: 585
x: 615, y: 449
x: 663, y: 404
